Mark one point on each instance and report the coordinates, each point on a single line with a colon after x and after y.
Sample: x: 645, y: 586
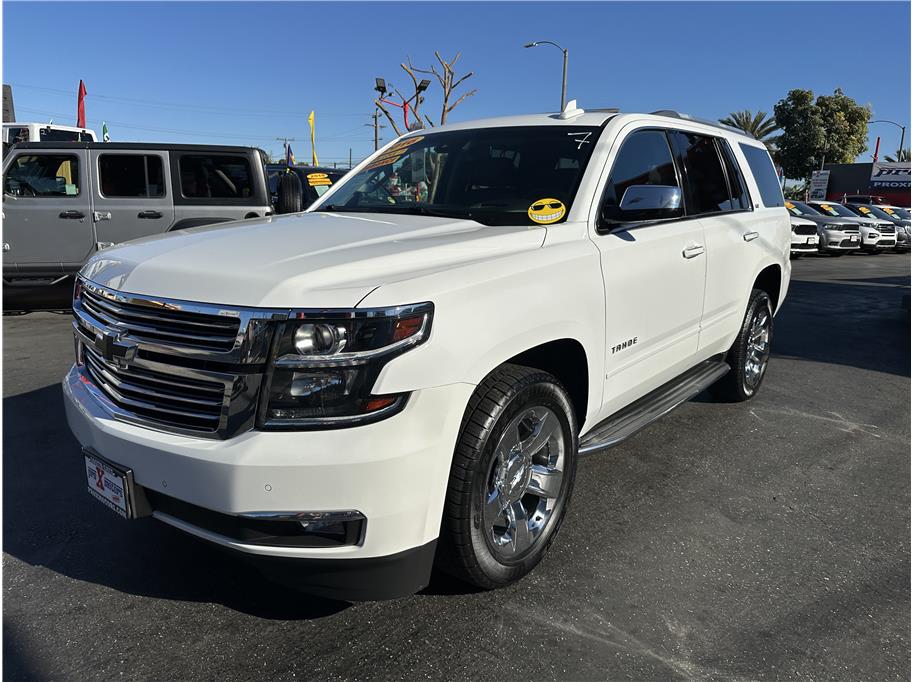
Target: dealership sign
x: 819, y: 182
x: 885, y: 175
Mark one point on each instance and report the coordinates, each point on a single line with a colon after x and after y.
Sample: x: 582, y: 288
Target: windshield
x: 497, y: 176
x: 834, y: 210
x: 799, y: 208
x: 874, y: 212
x: 901, y: 213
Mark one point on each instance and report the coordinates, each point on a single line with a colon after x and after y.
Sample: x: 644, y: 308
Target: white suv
x: 409, y: 371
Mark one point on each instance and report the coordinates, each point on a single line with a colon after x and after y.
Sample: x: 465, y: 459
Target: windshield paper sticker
x: 392, y: 154
x: 547, y: 211
x: 316, y: 179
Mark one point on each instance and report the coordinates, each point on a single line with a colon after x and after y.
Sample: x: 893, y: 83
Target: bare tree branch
x: 468, y: 94
x: 388, y: 116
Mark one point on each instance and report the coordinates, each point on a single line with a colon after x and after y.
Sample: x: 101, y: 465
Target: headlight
x: 834, y: 226
x: 324, y: 365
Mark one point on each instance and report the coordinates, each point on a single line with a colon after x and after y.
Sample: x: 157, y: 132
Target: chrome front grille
x: 886, y: 229
x: 177, y: 366
x: 163, y: 398
x: 154, y: 321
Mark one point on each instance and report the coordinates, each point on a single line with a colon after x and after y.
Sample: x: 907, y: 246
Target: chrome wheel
x: 524, y: 482
x: 758, y: 349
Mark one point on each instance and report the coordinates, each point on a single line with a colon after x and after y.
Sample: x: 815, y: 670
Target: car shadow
x: 861, y: 323
x: 50, y: 520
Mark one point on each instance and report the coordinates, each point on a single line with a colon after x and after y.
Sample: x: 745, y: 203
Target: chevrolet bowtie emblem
x: 114, y: 349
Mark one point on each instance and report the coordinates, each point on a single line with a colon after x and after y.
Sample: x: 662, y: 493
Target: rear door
x: 717, y: 195
x: 132, y: 194
x: 47, y: 221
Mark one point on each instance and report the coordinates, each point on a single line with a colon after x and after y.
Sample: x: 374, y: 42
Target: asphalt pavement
x: 767, y: 540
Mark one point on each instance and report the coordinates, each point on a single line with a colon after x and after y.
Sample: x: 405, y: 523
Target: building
x: 891, y: 181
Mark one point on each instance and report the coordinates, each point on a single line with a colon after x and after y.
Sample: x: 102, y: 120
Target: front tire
x: 748, y: 356
x: 511, y: 478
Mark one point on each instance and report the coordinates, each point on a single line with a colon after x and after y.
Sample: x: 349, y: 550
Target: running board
x: 638, y: 415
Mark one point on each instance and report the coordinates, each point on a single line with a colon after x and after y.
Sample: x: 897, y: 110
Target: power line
x: 227, y: 111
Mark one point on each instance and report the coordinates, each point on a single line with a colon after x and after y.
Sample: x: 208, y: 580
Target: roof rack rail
x: 671, y: 113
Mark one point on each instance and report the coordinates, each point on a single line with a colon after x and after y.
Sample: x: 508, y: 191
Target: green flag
x: 104, y: 132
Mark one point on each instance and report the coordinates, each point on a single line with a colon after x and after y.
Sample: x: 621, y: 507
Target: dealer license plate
x: 853, y: 238
x: 109, y: 484
x: 812, y: 240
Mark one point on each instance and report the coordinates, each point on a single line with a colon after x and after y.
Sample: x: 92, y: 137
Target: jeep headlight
x: 325, y: 363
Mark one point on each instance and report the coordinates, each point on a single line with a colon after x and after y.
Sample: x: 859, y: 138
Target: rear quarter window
x: 761, y: 166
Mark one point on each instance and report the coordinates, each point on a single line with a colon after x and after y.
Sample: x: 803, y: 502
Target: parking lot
x: 767, y: 540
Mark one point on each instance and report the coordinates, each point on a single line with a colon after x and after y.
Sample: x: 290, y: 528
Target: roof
x: 589, y: 117
x: 156, y: 146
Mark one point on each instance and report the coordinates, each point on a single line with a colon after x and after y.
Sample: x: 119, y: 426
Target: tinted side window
x: 215, y: 177
x: 129, y: 175
x: 740, y: 199
x: 761, y: 166
x: 705, y: 177
x: 644, y: 159
x: 17, y: 135
x: 42, y: 175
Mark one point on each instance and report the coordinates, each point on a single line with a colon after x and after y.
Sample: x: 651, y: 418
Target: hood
x: 300, y: 260
x: 795, y: 220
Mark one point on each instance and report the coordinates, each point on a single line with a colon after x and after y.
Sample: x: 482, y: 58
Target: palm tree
x: 901, y: 155
x: 759, y: 125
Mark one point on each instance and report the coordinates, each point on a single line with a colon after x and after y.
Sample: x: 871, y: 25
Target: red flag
x: 80, y: 106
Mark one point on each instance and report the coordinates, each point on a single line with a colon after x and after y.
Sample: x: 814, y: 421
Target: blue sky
x: 246, y: 73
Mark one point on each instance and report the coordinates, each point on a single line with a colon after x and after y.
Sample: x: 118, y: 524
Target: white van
x: 16, y: 132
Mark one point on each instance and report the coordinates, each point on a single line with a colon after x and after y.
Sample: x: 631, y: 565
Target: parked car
x: 899, y: 217
x: 835, y: 236
x: 864, y: 199
x: 876, y: 235
x: 409, y: 370
x: 64, y: 201
x: 804, y: 237
x: 312, y: 182
x: 18, y: 132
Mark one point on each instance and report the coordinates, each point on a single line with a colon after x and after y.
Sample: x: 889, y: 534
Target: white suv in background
x: 804, y: 236
x: 408, y: 372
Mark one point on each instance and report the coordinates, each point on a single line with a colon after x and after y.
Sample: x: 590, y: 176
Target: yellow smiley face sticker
x: 547, y: 211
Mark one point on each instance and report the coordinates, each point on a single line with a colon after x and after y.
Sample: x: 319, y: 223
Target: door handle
x: 72, y: 215
x: 751, y: 236
x: 151, y: 215
x: 693, y: 250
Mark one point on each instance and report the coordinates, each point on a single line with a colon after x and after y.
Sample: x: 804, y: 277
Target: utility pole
x: 376, y: 129
x: 285, y: 141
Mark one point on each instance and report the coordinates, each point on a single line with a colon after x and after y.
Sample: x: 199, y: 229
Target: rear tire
x: 511, y: 478
x: 748, y: 356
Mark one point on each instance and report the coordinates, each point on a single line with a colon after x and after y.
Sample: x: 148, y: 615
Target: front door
x: 47, y: 217
x: 654, y: 275
x: 132, y: 195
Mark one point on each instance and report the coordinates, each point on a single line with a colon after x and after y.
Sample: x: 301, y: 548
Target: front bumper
x: 835, y: 240
x: 804, y: 243
x: 394, y: 472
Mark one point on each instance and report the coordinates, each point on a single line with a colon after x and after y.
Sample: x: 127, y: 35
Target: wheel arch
x: 769, y: 279
x: 566, y: 360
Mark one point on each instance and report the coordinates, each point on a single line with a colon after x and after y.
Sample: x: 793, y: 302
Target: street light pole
x: 902, y: 136
x: 564, y: 79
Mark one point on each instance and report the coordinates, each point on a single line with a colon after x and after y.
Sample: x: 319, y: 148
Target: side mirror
x: 650, y: 202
